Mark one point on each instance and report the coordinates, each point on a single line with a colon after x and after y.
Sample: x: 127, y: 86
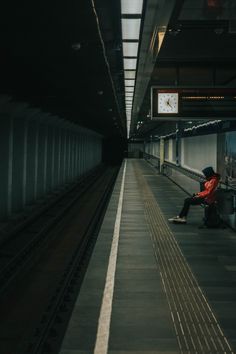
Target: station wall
x: 39, y: 154
x: 198, y: 152
x: 195, y: 153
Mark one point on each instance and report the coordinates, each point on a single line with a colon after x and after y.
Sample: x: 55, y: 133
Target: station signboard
x: 184, y: 103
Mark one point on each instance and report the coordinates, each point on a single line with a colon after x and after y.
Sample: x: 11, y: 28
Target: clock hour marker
x: 167, y: 102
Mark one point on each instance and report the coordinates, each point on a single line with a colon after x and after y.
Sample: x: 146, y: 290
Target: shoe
x: 178, y: 220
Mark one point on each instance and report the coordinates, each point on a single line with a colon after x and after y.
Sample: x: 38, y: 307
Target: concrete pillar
x: 18, y: 163
x: 60, y: 138
x: 68, y: 160
x: 77, y: 155
x: 6, y: 150
x: 162, y: 154
x: 45, y: 159
x: 31, y: 173
x: 49, y: 170
x: 53, y: 169
x: 42, y: 158
x: 25, y: 161
x: 64, y: 144
x: 73, y: 154
x: 57, y: 139
x: 81, y: 154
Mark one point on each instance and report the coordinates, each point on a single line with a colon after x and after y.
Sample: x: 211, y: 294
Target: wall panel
x: 39, y: 154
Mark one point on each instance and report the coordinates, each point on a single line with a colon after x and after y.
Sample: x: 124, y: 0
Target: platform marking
x: 196, y: 327
x: 102, y: 338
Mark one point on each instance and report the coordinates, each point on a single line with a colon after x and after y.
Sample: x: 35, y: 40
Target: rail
x: 49, y: 330
x: 59, y: 243
x: 23, y: 219
x: 20, y: 245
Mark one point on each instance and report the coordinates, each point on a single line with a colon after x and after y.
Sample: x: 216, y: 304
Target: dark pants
x: 190, y: 201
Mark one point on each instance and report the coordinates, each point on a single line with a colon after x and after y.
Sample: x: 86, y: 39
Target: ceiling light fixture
x: 130, y: 49
x: 130, y: 28
x: 129, y: 7
x: 129, y: 82
x: 129, y: 89
x: 130, y: 63
x: 129, y: 74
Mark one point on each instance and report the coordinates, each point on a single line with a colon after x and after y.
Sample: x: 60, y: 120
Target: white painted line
x: 101, y: 345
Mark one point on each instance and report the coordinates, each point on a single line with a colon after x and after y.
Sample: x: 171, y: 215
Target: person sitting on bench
x: 207, y: 196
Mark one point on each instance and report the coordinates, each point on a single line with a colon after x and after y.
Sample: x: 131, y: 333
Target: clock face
x: 168, y: 103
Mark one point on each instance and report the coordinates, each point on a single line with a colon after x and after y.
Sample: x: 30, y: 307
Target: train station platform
x: 153, y: 287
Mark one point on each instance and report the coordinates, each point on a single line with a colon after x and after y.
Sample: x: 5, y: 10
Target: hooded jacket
x: 210, y: 186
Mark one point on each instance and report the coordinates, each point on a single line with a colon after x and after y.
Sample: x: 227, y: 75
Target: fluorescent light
x: 130, y: 49
x: 131, y: 6
x: 130, y: 63
x: 130, y: 28
x: 129, y: 83
x: 129, y: 74
x: 129, y: 89
x: 129, y: 95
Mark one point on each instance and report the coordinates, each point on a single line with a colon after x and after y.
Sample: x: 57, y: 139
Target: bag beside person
x: 212, y: 218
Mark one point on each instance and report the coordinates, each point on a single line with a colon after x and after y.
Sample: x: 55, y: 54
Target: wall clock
x: 168, y: 102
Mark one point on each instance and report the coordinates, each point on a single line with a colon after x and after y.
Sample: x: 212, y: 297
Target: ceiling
x: 198, y: 50
x: 66, y: 57
x: 52, y: 57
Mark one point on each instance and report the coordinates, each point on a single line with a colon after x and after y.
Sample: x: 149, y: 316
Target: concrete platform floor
x: 174, y: 286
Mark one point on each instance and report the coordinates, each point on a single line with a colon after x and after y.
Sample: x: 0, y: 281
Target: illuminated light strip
x: 202, y: 125
x: 130, y: 28
x: 103, y: 332
x: 203, y: 97
x: 131, y: 7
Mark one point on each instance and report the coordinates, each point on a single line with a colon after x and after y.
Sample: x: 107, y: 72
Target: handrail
x: 149, y: 156
x: 192, y: 174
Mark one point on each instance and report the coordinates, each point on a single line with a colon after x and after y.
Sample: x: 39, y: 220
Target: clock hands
x: 168, y: 103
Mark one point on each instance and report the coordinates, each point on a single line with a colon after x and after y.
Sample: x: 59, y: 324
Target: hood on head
x: 208, y: 172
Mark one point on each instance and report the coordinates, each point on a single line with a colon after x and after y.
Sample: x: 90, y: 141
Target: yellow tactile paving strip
x: 196, y: 327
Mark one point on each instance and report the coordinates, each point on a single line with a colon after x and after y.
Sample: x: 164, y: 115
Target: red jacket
x: 210, y: 187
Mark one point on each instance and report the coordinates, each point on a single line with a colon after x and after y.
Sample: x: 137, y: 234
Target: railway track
x: 42, y: 268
